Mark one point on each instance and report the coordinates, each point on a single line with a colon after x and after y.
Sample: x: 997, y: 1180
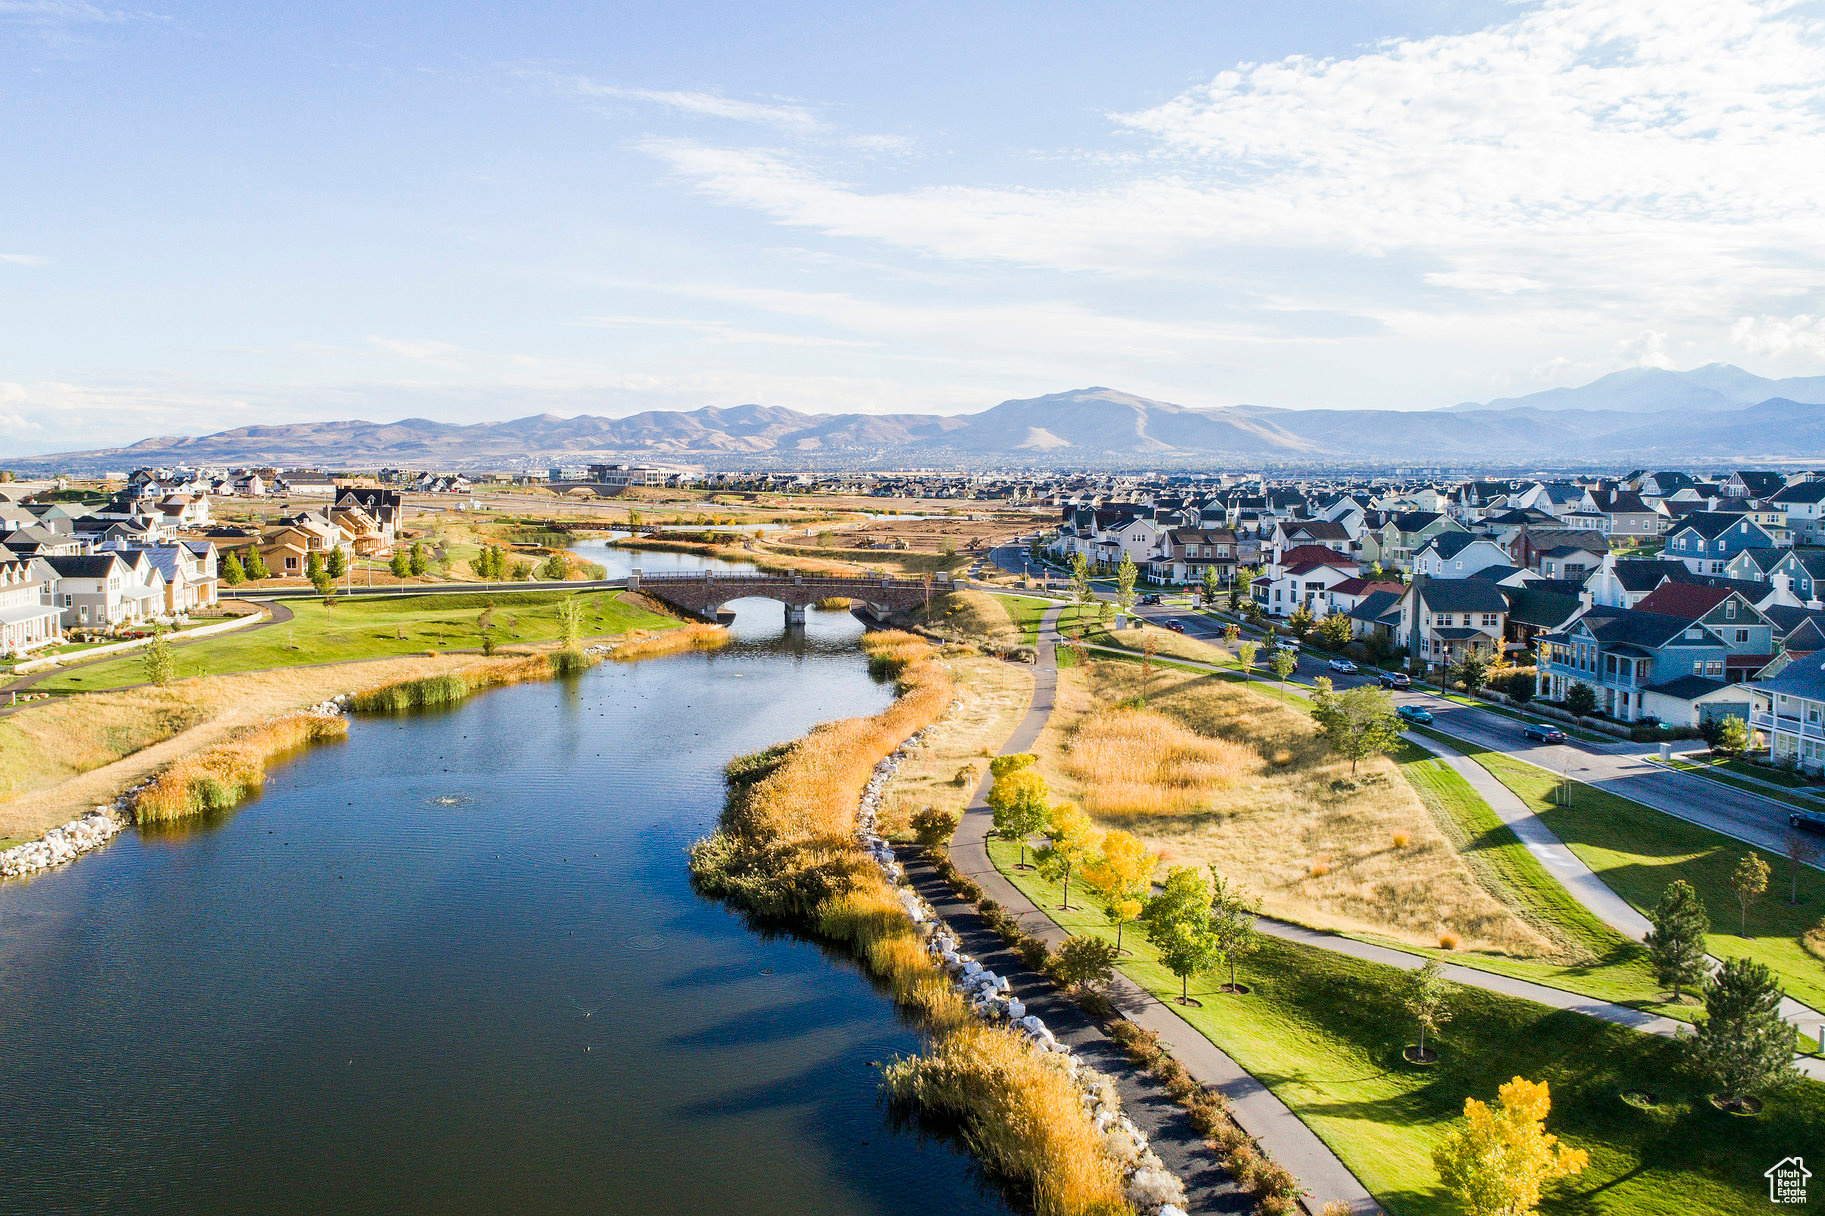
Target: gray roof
x: 1462, y: 595
x: 1800, y: 678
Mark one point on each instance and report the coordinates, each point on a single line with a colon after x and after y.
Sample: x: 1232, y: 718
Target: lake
x: 455, y: 965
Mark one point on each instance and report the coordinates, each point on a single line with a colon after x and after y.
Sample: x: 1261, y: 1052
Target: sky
x: 216, y: 215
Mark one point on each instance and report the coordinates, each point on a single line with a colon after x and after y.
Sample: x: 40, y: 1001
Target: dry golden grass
x: 975, y: 615
x: 1212, y: 773
x: 218, y: 778
x: 1140, y: 762
x: 695, y: 636
x: 992, y: 696
x: 787, y: 848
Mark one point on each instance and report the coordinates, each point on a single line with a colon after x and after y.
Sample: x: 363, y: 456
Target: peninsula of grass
x: 1638, y: 851
x: 1325, y: 1032
x: 1028, y: 610
x: 364, y: 627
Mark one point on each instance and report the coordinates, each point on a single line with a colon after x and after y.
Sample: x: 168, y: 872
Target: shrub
x: 933, y: 827
x: 1449, y: 940
x: 1085, y: 963
x: 222, y: 776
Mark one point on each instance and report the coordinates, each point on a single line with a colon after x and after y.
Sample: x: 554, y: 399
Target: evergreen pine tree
x: 1676, y: 943
x: 1743, y: 1046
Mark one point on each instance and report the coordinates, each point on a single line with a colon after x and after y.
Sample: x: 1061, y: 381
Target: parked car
x: 1543, y: 732
x: 1417, y: 714
x: 1176, y: 626
x: 1343, y: 665
x: 1396, y: 679
x: 1807, y: 821
x: 1288, y: 644
x: 1150, y: 598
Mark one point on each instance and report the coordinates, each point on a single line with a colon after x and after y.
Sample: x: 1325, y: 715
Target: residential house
x: 1292, y: 533
x: 1640, y: 665
x: 1789, y: 710
x: 1748, y: 635
x: 1184, y: 554
x: 1301, y: 579
x: 1706, y: 540
x: 1558, y: 552
x: 1627, y: 519
x: 1804, y: 504
x: 100, y: 591
x: 1405, y: 534
x: 1457, y: 555
x: 28, y: 619
x: 1442, y: 620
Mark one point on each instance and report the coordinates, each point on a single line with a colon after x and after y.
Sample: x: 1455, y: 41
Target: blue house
x: 1706, y: 540
x: 1640, y: 664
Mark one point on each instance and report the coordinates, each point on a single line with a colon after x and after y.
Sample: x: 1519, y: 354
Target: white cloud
x: 1659, y: 156
x: 69, y: 12
x: 24, y: 259
x: 1646, y: 350
x: 1803, y: 335
x: 787, y: 117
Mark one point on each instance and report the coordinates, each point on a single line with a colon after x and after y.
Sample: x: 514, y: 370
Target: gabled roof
x: 1541, y: 609
x: 84, y: 565
x: 1416, y: 521
x: 1787, y: 618
x: 1645, y: 574
x: 1800, y: 678
x: 1620, y: 502
x: 1688, y: 601
x: 1317, y: 529
x: 1687, y: 688
x: 1760, y: 484
x: 1375, y: 606
x: 1449, y: 544
x: 1650, y: 630
x: 1316, y: 553
x: 1462, y: 595
x: 1801, y: 492
x: 1711, y: 524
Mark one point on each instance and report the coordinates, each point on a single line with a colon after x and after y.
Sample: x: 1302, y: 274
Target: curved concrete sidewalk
x: 1256, y: 1109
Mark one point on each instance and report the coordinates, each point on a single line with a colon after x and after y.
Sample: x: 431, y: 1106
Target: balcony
x: 1784, y: 724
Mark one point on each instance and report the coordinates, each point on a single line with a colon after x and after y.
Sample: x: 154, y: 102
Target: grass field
x: 1029, y: 610
x: 1325, y: 1032
x: 370, y: 628
x: 1724, y: 772
x: 1637, y: 851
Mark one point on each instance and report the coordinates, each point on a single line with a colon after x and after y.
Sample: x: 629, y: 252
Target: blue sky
x: 214, y: 215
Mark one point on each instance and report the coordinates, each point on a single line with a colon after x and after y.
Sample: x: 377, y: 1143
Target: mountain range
x: 1716, y: 414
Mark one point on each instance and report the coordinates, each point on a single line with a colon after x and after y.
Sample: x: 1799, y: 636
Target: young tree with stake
x: 1124, y: 584
x: 1358, y: 724
x: 1177, y: 921
x: 1120, y: 877
x: 1232, y: 923
x: 1428, y: 1000
x: 1245, y: 653
x: 1748, y: 882
x: 1211, y: 586
x: 1071, y: 840
x: 1019, y: 799
x: 1284, y: 662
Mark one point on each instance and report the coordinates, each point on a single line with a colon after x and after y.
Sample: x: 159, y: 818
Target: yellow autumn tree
x: 1120, y: 876
x: 1496, y: 1162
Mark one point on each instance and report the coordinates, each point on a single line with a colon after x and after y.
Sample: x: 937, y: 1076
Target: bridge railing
x: 785, y: 580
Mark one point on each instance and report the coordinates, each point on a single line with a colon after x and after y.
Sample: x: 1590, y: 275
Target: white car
x: 1343, y: 665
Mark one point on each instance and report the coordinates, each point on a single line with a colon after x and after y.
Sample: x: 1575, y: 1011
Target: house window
x: 1714, y: 668
x: 1698, y: 667
x: 1742, y: 635
x: 1729, y: 610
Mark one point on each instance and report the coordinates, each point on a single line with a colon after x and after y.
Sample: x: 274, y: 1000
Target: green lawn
x: 372, y: 628
x: 1637, y: 851
x: 1028, y: 610
x: 1325, y: 1032
x: 1612, y: 967
x: 1732, y: 772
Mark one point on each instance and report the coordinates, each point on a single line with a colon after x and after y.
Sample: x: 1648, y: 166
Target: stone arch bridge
x: 703, y: 593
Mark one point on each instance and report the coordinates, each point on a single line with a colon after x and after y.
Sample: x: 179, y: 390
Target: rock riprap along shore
x: 1149, y: 1185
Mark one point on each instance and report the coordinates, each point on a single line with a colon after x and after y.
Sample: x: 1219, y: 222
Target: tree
x: 1246, y: 652
x: 329, y: 603
x: 1732, y: 736
x: 1581, y: 699
x: 1232, y: 923
x: 1334, y: 631
x: 1212, y: 587
x: 1472, y: 671
x: 933, y: 827
x: 521, y: 572
x: 1019, y: 799
x: 1002, y: 765
x: 313, y: 566
x: 1124, y: 583
x: 1231, y: 632
x: 1744, y: 1046
x: 1177, y: 921
x: 1085, y: 963
x: 1749, y: 882
x: 1120, y: 876
x: 1800, y: 851
x: 233, y: 573
x: 1080, y: 579
x: 1358, y: 724
x: 401, y: 565
x: 1235, y: 597
x: 1676, y: 940
x: 1071, y: 840
x: 484, y: 625
x: 1301, y: 621
x: 1497, y: 1161
x: 161, y: 666
x: 320, y: 579
x: 256, y: 565
x: 420, y: 560
x: 1283, y: 662
x: 1428, y: 994
x: 338, y: 564
x: 570, y: 624
x: 554, y: 568
x: 633, y: 518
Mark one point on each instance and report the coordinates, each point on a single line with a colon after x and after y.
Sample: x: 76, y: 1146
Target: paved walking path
x: 1256, y: 1109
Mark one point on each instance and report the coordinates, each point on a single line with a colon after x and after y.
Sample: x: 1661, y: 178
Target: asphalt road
x: 1620, y: 767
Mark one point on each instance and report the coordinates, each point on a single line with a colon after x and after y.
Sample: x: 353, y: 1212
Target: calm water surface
x: 455, y: 965
x: 616, y: 562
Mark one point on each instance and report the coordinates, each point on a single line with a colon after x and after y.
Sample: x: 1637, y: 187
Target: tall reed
x: 695, y: 636
x: 221, y: 776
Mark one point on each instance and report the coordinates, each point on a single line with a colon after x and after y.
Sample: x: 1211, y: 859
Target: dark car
x: 1396, y: 679
x: 1176, y: 626
x: 1543, y: 732
x: 1414, y: 713
x: 1807, y: 821
x: 1150, y: 598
